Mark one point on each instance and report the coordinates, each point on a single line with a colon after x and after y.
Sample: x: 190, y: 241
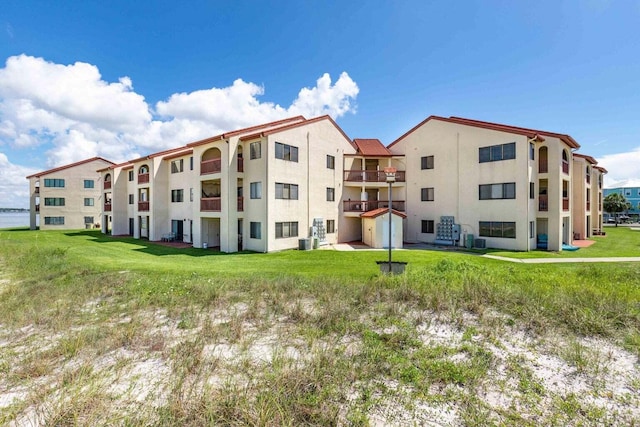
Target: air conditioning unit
x: 480, y: 243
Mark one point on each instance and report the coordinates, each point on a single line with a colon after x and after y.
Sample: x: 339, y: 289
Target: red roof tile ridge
x: 70, y: 165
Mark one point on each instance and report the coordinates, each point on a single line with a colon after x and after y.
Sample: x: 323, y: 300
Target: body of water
x: 14, y: 219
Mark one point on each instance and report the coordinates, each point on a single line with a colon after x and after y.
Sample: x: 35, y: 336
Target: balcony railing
x: 210, y: 204
x: 600, y: 207
x: 543, y: 202
x: 543, y: 166
x: 565, y: 167
x: 210, y: 166
x: 143, y: 206
x: 37, y: 208
x: 369, y: 205
x: 36, y: 190
x: 565, y: 203
x: 240, y: 164
x: 588, y: 179
x: 107, y: 207
x: 107, y: 185
x: 143, y: 178
x: 240, y: 204
x: 588, y: 205
x: 371, y: 176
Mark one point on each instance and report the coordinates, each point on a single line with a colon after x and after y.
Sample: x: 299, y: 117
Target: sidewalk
x: 562, y: 260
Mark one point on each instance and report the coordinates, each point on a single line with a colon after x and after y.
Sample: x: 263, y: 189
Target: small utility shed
x: 375, y: 228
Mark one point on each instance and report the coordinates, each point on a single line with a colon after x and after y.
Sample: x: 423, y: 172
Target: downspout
x: 266, y: 194
x: 308, y: 189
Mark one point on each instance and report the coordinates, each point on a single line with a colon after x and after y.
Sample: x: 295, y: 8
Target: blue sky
x: 119, y: 79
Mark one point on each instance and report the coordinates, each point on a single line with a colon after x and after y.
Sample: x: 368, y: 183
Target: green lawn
x: 619, y: 242
x: 71, y: 298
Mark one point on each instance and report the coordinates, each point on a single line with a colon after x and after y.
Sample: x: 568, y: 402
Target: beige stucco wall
x: 74, y: 194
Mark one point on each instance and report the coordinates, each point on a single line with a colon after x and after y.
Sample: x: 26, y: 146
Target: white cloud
x: 14, y: 188
x: 72, y: 113
x: 622, y: 169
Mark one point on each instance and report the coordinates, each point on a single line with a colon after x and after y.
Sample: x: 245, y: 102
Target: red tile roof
x: 371, y: 147
x: 81, y: 162
x: 601, y: 169
x: 381, y: 211
x: 245, y: 130
x: 179, y: 154
x: 587, y: 158
x: 529, y: 133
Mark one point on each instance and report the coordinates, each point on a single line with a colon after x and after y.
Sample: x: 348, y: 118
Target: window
x: 495, y: 153
x: 426, y: 194
x: 331, y: 162
x: 88, y: 220
x: 177, y: 196
x: 532, y: 151
x: 286, y: 229
x: 54, y: 220
x: 627, y: 192
x: 498, y: 229
x: 177, y: 166
x: 427, y: 226
x: 191, y: 194
x: 286, y: 152
x: 255, y: 230
x: 331, y: 226
x: 88, y: 201
x: 532, y: 190
x: 54, y: 201
x: 286, y: 191
x: 254, y: 151
x: 131, y: 175
x: 191, y: 163
x: 255, y: 190
x: 53, y: 182
x: 497, y: 191
x: 88, y: 183
x: 426, y: 162
x: 532, y: 229
x: 130, y: 199
x: 331, y: 194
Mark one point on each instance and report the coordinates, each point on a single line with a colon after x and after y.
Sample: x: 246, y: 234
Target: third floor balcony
x: 369, y: 205
x: 370, y: 176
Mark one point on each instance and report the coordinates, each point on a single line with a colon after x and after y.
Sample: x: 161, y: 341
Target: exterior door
x: 177, y: 229
x: 131, y: 226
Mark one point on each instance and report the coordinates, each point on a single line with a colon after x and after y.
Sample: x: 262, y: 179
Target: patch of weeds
x: 469, y: 333
x: 631, y: 342
x: 188, y: 319
x: 580, y: 356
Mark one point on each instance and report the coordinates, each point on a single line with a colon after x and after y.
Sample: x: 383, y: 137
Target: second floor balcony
x: 107, y: 185
x: 371, y: 176
x: 143, y: 206
x: 143, y: 178
x: 107, y: 207
x: 210, y: 204
x: 565, y: 203
x: 543, y: 202
x: 369, y: 205
x: 210, y: 166
x: 240, y: 204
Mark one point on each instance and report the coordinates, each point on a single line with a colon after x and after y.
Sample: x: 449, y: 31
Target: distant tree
x: 615, y: 203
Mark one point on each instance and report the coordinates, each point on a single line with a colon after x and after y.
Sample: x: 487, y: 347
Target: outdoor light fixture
x: 390, y: 172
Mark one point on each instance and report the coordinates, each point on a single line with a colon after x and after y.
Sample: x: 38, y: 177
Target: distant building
x: 632, y: 194
x: 67, y: 197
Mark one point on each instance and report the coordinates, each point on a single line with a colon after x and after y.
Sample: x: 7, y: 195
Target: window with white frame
x: 286, y: 152
x: 254, y: 151
x: 427, y: 194
x: 255, y: 230
x: 286, y: 229
x: 331, y: 226
x: 177, y: 196
x: 177, y: 166
x: 286, y: 191
x: 255, y: 190
x: 426, y: 162
x: 497, y: 191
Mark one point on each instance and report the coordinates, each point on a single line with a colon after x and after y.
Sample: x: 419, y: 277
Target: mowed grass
x: 618, y: 242
x: 94, y: 295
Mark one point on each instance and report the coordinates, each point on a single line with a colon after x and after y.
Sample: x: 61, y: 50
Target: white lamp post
x: 390, y: 172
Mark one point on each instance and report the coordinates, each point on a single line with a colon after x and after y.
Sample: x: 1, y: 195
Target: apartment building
x: 509, y: 187
x: 587, y: 182
x: 67, y: 197
x: 260, y: 188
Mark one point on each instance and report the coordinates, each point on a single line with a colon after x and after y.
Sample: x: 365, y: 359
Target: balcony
x: 364, y: 206
x: 240, y: 204
x: 565, y: 203
x: 38, y: 208
x: 143, y: 178
x: 210, y: 166
x: 107, y: 207
x: 36, y: 190
x: 588, y: 205
x: 565, y: 167
x: 210, y: 204
x: 543, y: 166
x: 588, y: 179
x: 240, y: 164
x: 143, y: 206
x: 543, y: 202
x: 107, y: 185
x: 370, y: 176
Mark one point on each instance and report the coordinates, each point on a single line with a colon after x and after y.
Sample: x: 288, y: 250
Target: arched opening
x: 565, y: 161
x: 107, y: 181
x: 143, y: 174
x: 543, y: 165
x: 211, y: 161
x: 588, y: 173
x: 240, y: 159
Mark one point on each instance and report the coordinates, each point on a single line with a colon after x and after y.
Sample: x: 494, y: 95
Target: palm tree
x: 615, y: 203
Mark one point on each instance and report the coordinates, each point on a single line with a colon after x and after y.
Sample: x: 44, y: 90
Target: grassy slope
x: 56, y: 274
